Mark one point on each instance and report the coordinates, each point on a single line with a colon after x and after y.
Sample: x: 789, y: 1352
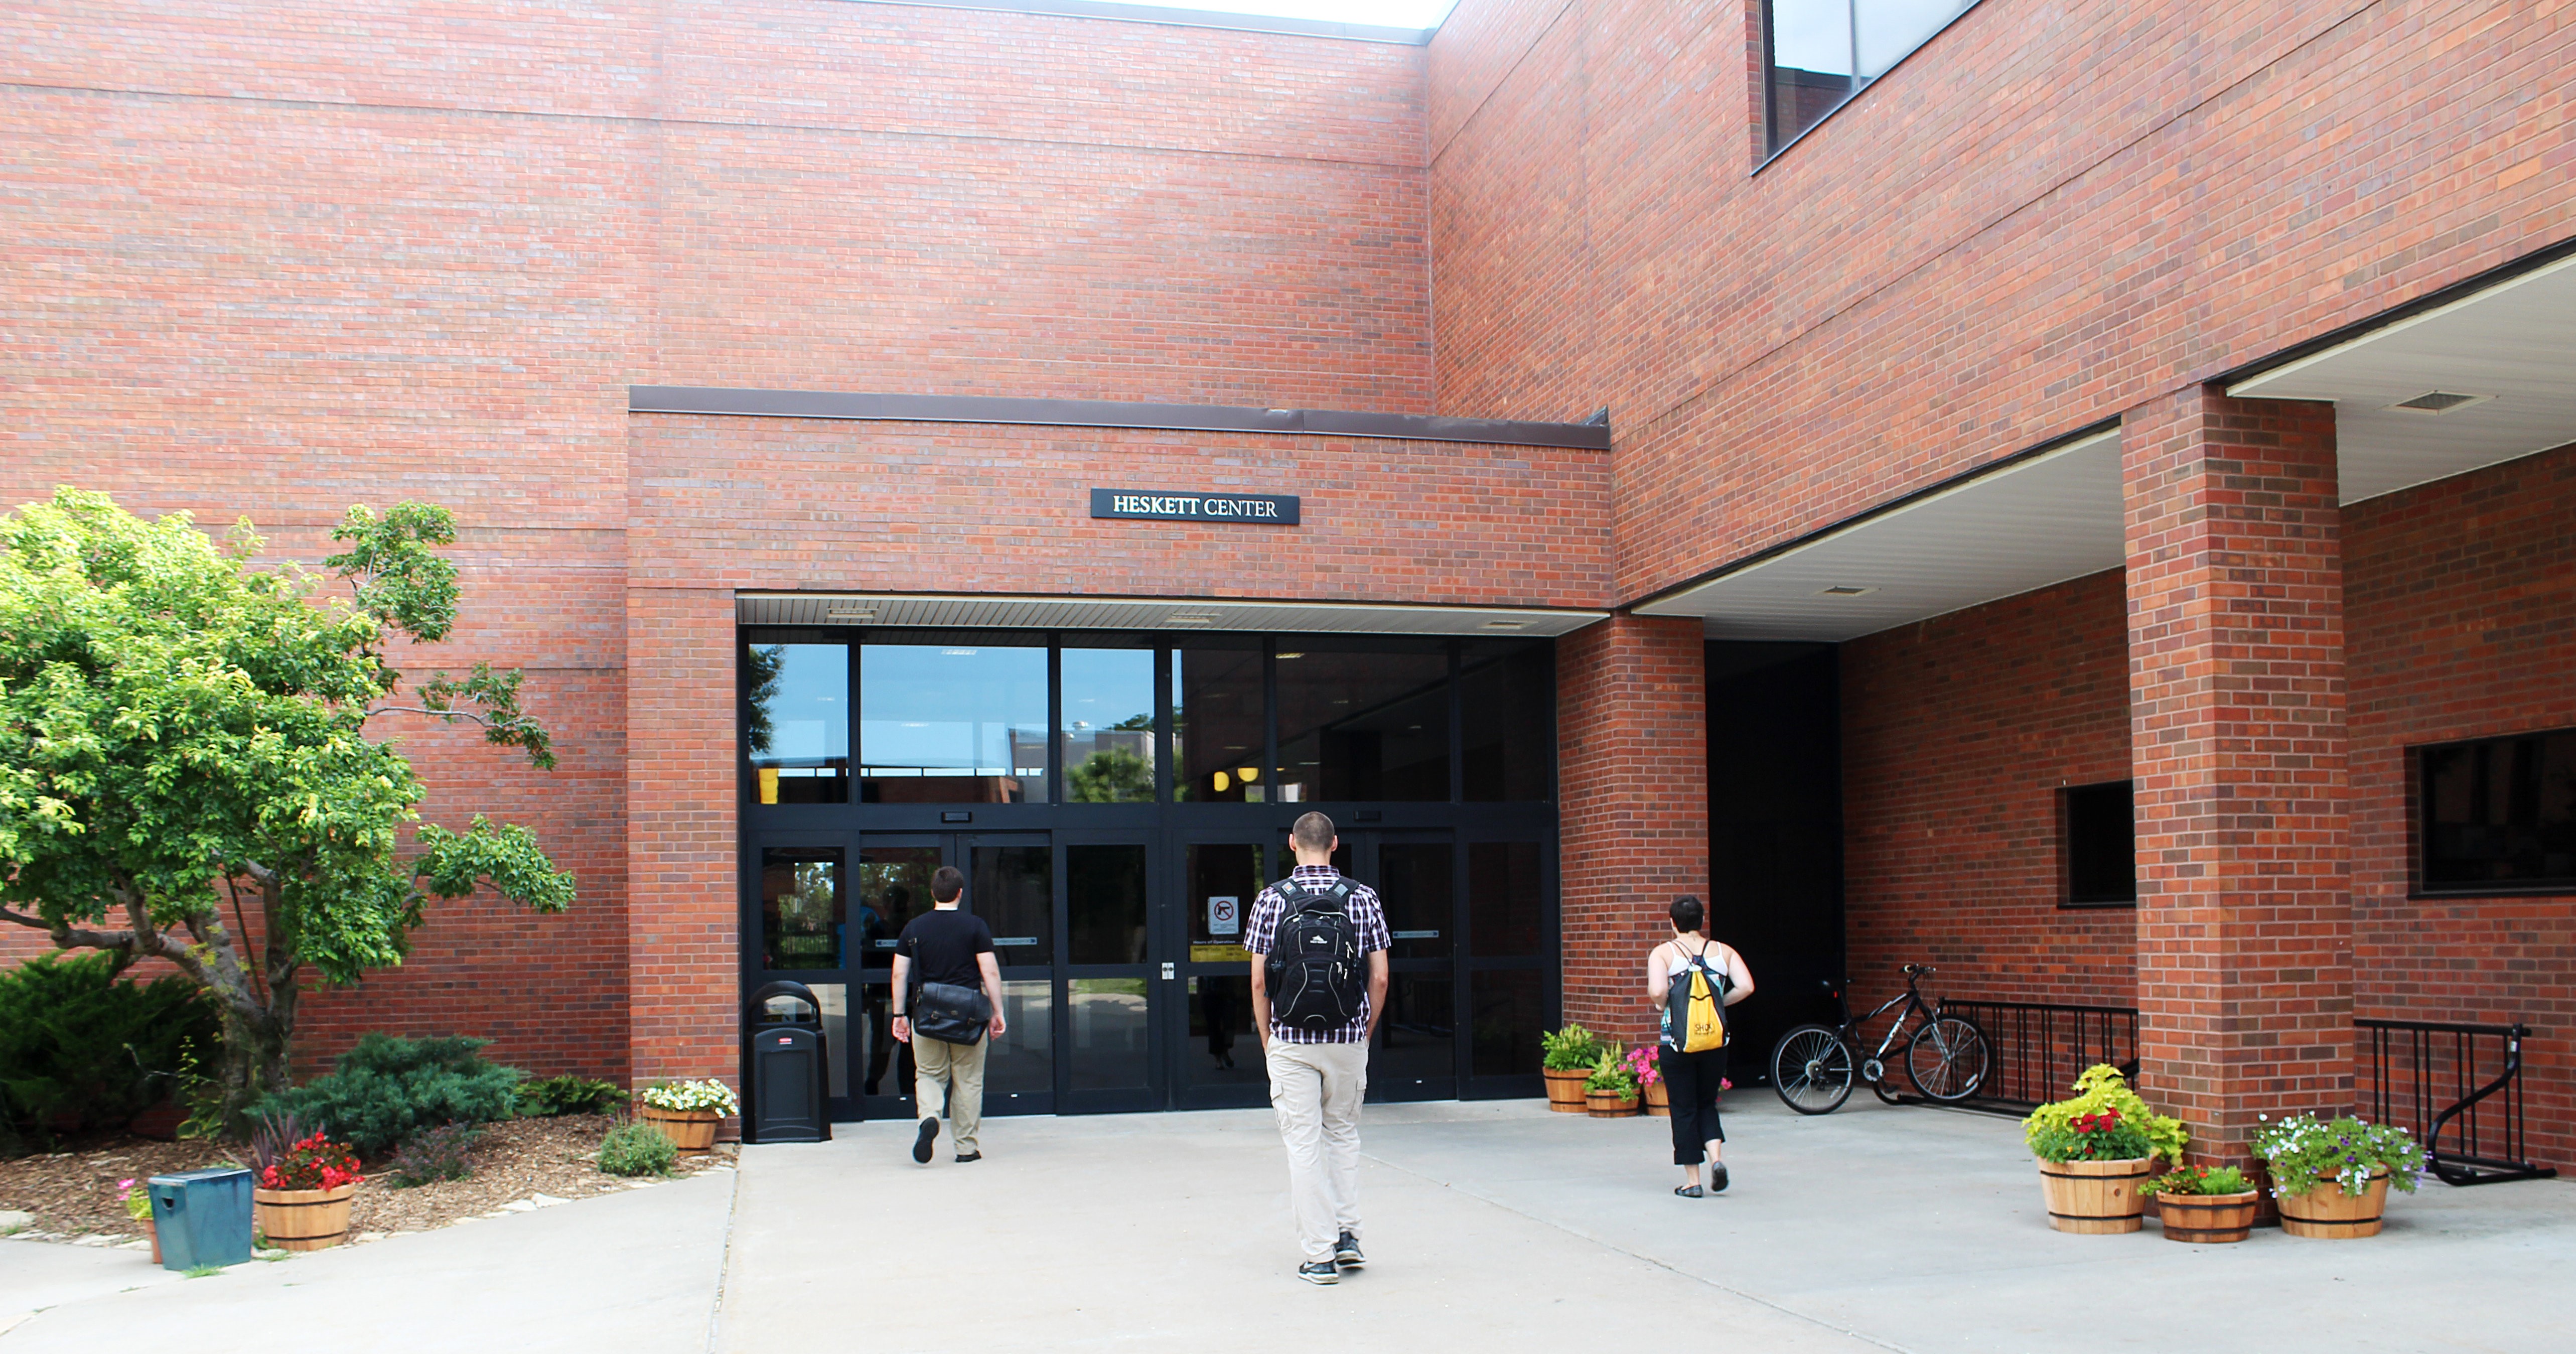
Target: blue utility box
x: 203, y: 1217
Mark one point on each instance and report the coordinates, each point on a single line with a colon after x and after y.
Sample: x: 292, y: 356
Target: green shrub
x: 637, y: 1149
x: 568, y: 1095
x: 442, y: 1153
x: 2101, y: 1087
x: 77, y: 1042
x: 1571, y: 1049
x: 386, y: 1089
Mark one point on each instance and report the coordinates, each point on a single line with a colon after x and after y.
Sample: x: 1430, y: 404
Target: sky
x: 1384, y: 13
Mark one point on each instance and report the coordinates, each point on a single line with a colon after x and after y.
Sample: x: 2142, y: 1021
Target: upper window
x: 2499, y: 814
x: 1822, y: 52
x: 1372, y: 725
x: 798, y: 725
x: 2101, y: 838
x: 959, y: 723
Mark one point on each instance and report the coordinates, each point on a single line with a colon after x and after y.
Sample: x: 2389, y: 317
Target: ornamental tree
x: 186, y: 739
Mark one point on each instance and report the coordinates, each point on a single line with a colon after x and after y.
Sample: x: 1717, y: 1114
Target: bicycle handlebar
x: 1919, y: 970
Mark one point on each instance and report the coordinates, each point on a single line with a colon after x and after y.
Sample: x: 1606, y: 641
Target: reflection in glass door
x: 1417, y: 1045
x: 1218, y: 1055
x: 1110, y: 985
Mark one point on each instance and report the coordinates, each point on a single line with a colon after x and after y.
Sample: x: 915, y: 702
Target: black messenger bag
x: 950, y: 1014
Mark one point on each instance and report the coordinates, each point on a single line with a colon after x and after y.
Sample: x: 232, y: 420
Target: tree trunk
x: 255, y: 1048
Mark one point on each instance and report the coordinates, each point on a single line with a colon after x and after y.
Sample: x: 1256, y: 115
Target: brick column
x: 683, y: 928
x: 2236, y: 682
x: 1632, y: 786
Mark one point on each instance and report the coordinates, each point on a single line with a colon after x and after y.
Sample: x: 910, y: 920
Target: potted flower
x: 687, y: 1112
x: 302, y: 1190
x: 138, y: 1206
x: 2096, y: 1150
x: 1565, y: 1060
x: 1649, y: 1072
x: 2205, y: 1203
x: 2331, y: 1178
x: 1610, y: 1092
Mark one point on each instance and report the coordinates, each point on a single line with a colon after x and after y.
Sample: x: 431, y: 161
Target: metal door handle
x: 1168, y: 975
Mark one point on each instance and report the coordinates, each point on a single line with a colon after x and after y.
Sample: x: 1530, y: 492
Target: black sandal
x: 1687, y: 1191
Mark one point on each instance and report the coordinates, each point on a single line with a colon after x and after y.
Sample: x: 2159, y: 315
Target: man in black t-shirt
x: 952, y: 946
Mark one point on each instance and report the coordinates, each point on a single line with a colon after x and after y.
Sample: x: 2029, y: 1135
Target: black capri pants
x: 1691, y: 1083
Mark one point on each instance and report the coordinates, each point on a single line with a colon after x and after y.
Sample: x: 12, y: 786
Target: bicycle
x: 1813, y: 1066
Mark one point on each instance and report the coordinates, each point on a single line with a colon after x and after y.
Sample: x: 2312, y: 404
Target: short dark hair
x: 1313, y: 831
x: 1688, y: 913
x: 946, y: 883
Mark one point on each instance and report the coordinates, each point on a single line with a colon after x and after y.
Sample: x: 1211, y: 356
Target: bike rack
x: 2436, y: 1052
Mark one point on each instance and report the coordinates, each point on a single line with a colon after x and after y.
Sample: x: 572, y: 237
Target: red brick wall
x: 684, y: 930
x: 363, y: 254
x: 2047, y: 216
x: 1957, y: 734
x: 1632, y: 758
x: 2238, y: 746
x: 2462, y: 601
x: 809, y: 503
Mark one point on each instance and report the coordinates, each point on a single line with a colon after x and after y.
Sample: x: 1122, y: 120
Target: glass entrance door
x: 1010, y: 883
x: 1113, y: 977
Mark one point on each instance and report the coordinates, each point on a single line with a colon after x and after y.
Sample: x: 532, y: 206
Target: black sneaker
x: 1717, y: 1177
x: 1346, y: 1252
x: 921, y: 1145
x: 1321, y: 1271
x: 970, y: 1156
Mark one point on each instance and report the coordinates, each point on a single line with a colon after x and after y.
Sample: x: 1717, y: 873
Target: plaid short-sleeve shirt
x: 1261, y: 932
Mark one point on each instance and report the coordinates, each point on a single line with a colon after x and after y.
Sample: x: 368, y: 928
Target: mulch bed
x: 73, y: 1193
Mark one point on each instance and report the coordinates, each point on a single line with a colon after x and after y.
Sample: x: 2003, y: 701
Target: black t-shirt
x: 942, y: 947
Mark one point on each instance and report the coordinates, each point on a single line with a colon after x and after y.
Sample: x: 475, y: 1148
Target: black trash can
x: 782, y: 1066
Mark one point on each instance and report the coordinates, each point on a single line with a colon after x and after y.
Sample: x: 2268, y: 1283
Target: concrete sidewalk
x: 1500, y: 1224
x: 1488, y: 1225
x: 637, y: 1271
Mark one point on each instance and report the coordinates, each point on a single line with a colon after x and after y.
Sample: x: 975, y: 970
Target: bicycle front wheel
x: 1946, y: 1060
x: 1811, y: 1068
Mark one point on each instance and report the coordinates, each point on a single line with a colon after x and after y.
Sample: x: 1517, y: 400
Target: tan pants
x: 1316, y: 1089
x: 937, y: 1063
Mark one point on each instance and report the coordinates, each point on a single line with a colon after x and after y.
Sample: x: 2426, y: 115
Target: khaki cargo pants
x: 936, y: 1066
x: 1316, y: 1089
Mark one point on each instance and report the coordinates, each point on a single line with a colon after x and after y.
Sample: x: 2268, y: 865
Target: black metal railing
x: 2035, y: 1050
x: 2411, y: 1065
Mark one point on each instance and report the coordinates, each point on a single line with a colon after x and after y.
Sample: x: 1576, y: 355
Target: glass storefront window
x: 1013, y: 889
x: 956, y: 723
x: 1022, y: 1061
x: 1220, y: 722
x: 1414, y: 887
x: 797, y: 729
x: 893, y: 888
x: 1107, y: 732
x: 1417, y: 1041
x: 1105, y: 904
x: 802, y: 910
x: 1503, y: 892
x: 1508, y: 1007
x: 1507, y: 705
x: 1223, y: 881
x: 1363, y: 726
x: 1106, y: 1048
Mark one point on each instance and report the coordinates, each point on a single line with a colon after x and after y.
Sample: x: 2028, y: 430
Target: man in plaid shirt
x: 1318, y: 1076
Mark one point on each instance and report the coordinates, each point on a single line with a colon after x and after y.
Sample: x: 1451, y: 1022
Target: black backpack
x: 1317, y: 973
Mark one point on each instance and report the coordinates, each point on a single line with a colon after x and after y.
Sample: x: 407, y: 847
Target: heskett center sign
x: 1272, y: 510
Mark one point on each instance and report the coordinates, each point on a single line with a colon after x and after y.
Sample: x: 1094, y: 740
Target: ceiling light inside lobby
x: 2439, y: 402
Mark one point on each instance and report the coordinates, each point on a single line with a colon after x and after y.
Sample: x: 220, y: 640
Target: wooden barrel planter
x: 2096, y: 1198
x: 304, y: 1219
x: 1565, y: 1090
x: 688, y: 1130
x: 2207, y: 1218
x: 2326, y: 1213
x: 1609, y: 1105
x: 1659, y: 1101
